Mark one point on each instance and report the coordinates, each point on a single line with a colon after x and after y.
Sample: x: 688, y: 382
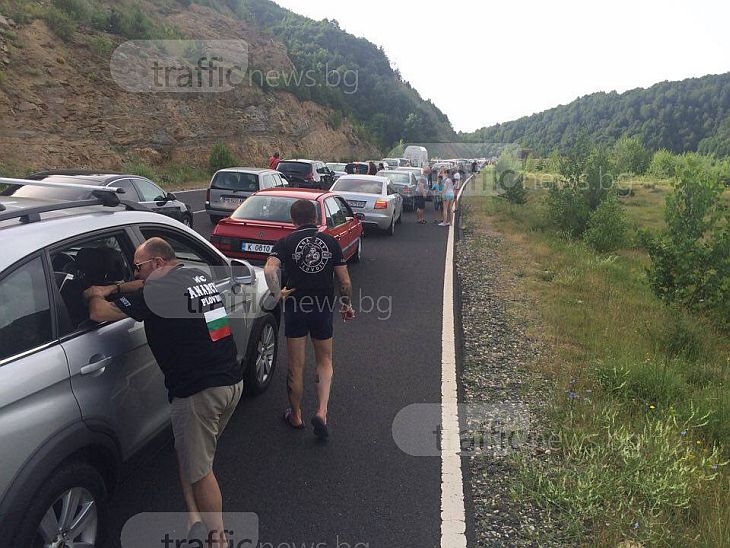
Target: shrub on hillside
x: 607, y: 227
x: 60, y: 23
x: 220, y: 157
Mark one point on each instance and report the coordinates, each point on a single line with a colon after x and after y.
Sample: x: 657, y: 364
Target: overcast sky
x: 485, y: 62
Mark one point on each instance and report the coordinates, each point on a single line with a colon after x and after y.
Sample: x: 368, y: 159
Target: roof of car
x: 362, y: 177
x: 293, y: 192
x: 247, y: 169
x: 302, y: 160
x: 61, y: 225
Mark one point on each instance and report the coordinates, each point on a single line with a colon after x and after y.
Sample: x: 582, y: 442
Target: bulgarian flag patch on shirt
x: 217, y: 321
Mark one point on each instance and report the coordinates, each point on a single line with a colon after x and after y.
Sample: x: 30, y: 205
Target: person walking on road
x: 448, y: 198
x: 188, y: 332
x: 309, y: 261
x: 420, y: 198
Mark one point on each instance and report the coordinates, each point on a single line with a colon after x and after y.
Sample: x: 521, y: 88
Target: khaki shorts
x: 197, y: 423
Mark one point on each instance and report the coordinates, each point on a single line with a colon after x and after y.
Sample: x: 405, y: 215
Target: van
x: 416, y: 155
x: 231, y: 186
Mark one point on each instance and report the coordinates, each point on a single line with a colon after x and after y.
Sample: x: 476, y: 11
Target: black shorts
x: 420, y: 202
x: 308, y: 317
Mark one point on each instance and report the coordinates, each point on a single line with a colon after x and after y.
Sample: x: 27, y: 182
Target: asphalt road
x: 359, y: 489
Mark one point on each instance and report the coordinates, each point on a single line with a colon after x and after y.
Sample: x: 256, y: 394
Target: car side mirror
x: 242, y: 272
x: 170, y: 197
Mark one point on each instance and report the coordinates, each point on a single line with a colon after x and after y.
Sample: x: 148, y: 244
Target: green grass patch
x: 644, y: 436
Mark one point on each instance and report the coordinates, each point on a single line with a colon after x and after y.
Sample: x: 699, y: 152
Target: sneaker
x: 443, y: 224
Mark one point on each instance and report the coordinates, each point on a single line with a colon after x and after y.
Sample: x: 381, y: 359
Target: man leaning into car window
x: 189, y: 335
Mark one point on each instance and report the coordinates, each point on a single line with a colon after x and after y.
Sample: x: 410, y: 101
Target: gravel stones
x: 505, y: 399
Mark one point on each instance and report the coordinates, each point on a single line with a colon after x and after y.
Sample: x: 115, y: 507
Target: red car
x: 253, y: 228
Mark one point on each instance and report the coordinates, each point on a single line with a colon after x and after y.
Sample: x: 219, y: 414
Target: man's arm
x: 343, y: 276
x: 101, y: 310
x: 271, y: 273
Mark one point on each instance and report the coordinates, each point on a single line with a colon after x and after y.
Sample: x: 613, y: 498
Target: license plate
x: 356, y: 203
x: 256, y: 248
x: 228, y: 200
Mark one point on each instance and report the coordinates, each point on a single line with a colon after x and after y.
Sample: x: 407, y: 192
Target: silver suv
x: 77, y: 398
x: 231, y: 186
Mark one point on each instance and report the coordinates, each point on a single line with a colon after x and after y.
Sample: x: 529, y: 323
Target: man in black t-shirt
x: 308, y: 261
x: 188, y: 332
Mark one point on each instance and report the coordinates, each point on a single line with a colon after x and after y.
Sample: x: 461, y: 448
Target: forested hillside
x: 689, y: 115
x: 387, y: 107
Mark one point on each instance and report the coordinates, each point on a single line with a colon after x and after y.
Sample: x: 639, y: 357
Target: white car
x: 373, y: 196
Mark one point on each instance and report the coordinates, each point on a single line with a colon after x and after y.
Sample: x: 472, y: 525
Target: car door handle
x: 95, y: 366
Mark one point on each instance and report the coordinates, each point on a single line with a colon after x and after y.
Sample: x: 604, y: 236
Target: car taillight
x: 224, y: 244
x: 381, y: 204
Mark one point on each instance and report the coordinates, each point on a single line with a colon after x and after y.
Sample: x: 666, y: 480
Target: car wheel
x: 356, y: 257
x: 399, y: 220
x: 261, y: 355
x: 214, y: 219
x: 391, y: 229
x: 68, y: 510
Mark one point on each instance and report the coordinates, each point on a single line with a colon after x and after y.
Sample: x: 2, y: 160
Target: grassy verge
x: 641, y: 408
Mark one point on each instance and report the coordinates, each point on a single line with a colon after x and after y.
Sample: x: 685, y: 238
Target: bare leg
x: 323, y: 356
x: 193, y: 512
x: 210, y: 503
x: 296, y: 351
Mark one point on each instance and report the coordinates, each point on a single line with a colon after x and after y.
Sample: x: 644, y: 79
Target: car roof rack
x: 70, y: 172
x: 107, y: 196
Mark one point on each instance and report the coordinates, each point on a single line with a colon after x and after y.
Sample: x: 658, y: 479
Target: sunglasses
x: 138, y: 266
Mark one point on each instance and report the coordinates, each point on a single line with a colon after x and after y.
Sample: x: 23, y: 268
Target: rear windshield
x: 397, y: 178
x: 232, y: 180
x: 358, y: 185
x: 268, y: 208
x: 294, y: 167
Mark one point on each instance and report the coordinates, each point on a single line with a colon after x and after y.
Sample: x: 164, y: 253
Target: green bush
x: 690, y: 260
x: 220, y: 157
x: 101, y: 45
x: 60, y: 23
x: 663, y: 164
x: 567, y: 209
x: 607, y: 226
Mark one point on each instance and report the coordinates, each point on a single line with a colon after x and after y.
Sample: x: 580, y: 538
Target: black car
x: 136, y: 189
x: 307, y: 173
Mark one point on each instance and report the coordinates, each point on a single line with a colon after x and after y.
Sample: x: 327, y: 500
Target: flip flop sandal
x: 287, y: 419
x: 320, y: 428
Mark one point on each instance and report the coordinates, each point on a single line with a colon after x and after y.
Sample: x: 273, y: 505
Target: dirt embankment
x: 60, y: 106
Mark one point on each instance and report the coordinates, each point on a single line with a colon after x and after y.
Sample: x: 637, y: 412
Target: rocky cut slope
x: 61, y: 107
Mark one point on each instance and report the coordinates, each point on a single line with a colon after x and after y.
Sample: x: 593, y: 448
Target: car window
x: 191, y: 252
x: 130, y: 192
x: 233, y: 180
x: 25, y: 317
x: 102, y: 260
x: 267, y: 181
x: 149, y: 191
x: 264, y: 207
x: 358, y: 185
x: 344, y: 206
x: 392, y: 190
x: 299, y: 168
x: 335, y: 215
x: 278, y: 181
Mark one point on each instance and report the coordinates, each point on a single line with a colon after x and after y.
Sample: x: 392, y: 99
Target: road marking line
x: 453, y: 515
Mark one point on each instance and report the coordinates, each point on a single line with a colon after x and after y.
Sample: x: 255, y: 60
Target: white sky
x: 484, y: 62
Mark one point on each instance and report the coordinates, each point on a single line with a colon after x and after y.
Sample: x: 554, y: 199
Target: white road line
x: 453, y: 520
x: 199, y: 211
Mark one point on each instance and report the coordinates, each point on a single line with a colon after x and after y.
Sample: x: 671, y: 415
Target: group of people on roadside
x: 442, y: 190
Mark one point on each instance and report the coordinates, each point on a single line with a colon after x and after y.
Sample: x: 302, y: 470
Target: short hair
x: 303, y: 212
x: 157, y: 247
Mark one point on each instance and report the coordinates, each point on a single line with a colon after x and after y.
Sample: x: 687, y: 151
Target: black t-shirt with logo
x: 188, y: 330
x: 308, y: 258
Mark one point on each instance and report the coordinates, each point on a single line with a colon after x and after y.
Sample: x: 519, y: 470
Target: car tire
x: 356, y: 257
x: 261, y: 355
x: 390, y: 231
x: 73, y: 483
x: 399, y: 220
x: 214, y: 219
